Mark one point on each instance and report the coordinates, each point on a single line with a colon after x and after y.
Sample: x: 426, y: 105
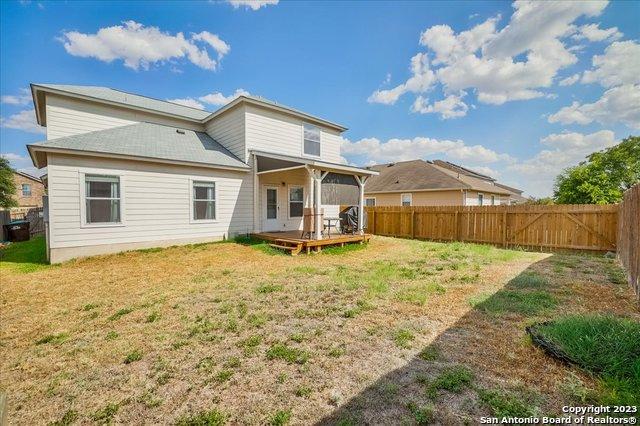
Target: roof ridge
x: 151, y: 97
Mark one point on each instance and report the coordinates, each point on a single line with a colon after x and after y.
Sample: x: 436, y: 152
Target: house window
x: 296, y: 201
x: 493, y: 200
x: 480, y: 199
x: 406, y: 199
x: 204, y: 200
x: 311, y: 140
x: 26, y: 190
x: 102, y: 199
x: 370, y: 202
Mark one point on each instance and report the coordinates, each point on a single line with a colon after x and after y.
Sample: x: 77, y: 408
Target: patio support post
x: 361, y: 181
x: 317, y: 176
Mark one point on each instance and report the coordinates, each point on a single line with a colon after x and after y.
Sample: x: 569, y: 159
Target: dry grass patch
x: 227, y: 332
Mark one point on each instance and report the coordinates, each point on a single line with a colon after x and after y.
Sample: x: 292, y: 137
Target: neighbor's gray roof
x: 151, y: 141
x: 120, y: 97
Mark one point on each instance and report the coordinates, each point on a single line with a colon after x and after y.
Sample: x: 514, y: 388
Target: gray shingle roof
x: 152, y: 141
x: 117, y: 96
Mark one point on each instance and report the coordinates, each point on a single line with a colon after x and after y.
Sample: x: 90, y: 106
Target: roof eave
x: 118, y: 104
x: 280, y: 108
x: 34, y: 149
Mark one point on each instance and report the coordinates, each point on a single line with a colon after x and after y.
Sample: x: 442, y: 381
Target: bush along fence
x: 629, y: 236
x: 575, y: 227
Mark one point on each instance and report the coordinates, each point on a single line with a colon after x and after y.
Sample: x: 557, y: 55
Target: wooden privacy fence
x: 576, y: 227
x: 34, y: 215
x: 629, y: 236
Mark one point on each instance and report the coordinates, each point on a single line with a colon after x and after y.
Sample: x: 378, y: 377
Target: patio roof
x: 268, y: 162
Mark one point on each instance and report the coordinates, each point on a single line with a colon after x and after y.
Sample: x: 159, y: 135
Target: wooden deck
x: 292, y: 241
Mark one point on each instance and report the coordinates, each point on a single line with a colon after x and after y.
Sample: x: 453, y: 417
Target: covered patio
x: 297, y: 201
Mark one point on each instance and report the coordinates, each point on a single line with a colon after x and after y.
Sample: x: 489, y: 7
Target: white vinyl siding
x: 228, y: 130
x: 67, y: 117
x: 157, y: 206
x: 279, y: 133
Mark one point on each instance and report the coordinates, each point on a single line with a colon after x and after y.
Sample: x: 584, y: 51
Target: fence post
x: 413, y: 217
x: 457, y: 232
x: 504, y: 229
x: 373, y: 221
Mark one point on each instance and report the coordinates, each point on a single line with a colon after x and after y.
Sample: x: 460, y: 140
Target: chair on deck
x: 308, y: 221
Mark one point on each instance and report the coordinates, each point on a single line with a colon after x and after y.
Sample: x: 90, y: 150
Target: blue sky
x: 516, y: 90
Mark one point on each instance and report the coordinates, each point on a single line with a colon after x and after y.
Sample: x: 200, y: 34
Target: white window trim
x: 410, y: 198
x: 480, y: 194
x: 493, y: 200
x: 375, y: 202
x: 302, y: 147
x: 22, y: 189
x: 289, y: 200
x: 83, y: 201
x: 193, y: 220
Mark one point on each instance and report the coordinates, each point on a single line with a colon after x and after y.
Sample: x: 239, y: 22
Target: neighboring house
x: 29, y: 190
x: 126, y: 171
x: 434, y: 183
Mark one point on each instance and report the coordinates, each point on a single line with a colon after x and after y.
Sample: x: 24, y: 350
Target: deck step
x: 293, y: 247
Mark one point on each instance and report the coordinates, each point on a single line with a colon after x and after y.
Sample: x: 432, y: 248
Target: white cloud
x: 422, y: 79
x: 375, y: 151
x: 570, y: 80
x: 619, y: 104
x: 537, y: 174
x: 618, y: 65
x: 513, y: 63
x: 24, y: 120
x: 593, y: 32
x: 23, y: 98
x: 217, y: 98
x: 187, y: 102
x: 450, y: 107
x: 139, y: 46
x: 252, y: 4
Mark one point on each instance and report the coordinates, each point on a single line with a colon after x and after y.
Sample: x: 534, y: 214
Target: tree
x: 603, y: 177
x: 7, y: 186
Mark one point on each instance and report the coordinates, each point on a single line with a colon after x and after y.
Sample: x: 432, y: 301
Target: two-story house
x: 127, y: 171
x: 29, y: 190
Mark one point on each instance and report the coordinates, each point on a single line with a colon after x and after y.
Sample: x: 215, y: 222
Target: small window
x: 480, y: 199
x: 493, y: 200
x: 204, y: 200
x: 26, y: 190
x: 311, y: 140
x: 102, y: 199
x: 370, y: 202
x: 296, y: 201
x: 406, y: 199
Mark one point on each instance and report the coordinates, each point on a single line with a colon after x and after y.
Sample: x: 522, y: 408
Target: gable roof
x: 420, y: 175
x: 123, y: 98
x: 28, y: 176
x: 145, y: 103
x: 143, y: 141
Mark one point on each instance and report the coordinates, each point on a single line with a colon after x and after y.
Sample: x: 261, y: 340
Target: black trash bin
x: 17, y: 230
